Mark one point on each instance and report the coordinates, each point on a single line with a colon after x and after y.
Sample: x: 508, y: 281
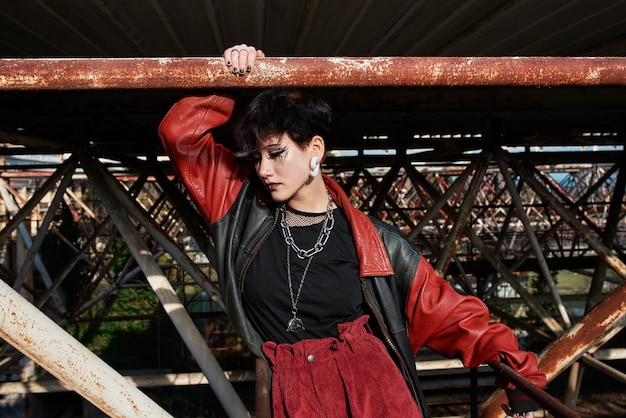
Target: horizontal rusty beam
x: 198, y: 73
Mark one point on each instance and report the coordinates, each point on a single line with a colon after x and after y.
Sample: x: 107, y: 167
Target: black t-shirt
x: 331, y: 292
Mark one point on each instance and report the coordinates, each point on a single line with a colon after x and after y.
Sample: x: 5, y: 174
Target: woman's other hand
x: 241, y: 58
x: 510, y: 413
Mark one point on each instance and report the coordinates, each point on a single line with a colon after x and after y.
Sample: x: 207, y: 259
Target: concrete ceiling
x: 322, y: 28
x: 167, y: 28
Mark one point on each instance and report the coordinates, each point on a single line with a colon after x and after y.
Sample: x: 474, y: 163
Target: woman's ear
x: 317, y: 146
x: 316, y: 152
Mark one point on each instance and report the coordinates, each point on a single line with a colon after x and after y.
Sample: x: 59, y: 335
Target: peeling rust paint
x: 606, y: 317
x: 194, y: 73
x: 34, y: 334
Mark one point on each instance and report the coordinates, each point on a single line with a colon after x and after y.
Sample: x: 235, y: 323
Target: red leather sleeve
x: 458, y: 326
x: 208, y: 169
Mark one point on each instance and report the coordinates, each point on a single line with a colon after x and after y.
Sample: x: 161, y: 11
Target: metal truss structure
x: 488, y: 217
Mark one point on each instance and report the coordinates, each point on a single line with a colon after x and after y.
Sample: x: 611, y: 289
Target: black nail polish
x: 249, y: 68
x: 235, y: 70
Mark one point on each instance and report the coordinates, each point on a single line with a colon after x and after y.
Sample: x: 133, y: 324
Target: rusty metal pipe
x: 34, y: 334
x: 199, y: 73
x: 542, y: 398
x: 603, y: 320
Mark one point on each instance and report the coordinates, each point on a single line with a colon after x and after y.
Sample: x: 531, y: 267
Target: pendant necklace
x: 295, y: 324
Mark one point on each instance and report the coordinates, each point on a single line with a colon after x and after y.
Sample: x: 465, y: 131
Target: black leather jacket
x: 244, y: 229
x: 409, y: 304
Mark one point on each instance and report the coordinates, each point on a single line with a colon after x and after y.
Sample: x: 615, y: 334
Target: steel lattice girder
x: 192, y: 74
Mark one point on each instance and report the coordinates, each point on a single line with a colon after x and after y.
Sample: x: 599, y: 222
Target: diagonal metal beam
x: 188, y: 214
x: 602, y: 321
x: 33, y: 256
x: 608, y: 235
x: 29, y: 330
x: 383, y: 187
x: 463, y: 214
x: 17, y: 218
x: 112, y: 197
x: 541, y: 260
x: 34, y: 245
x: 499, y: 265
x: 418, y: 178
x: 134, y: 210
x: 603, y: 251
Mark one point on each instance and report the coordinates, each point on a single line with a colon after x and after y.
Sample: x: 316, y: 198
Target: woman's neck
x: 311, y: 199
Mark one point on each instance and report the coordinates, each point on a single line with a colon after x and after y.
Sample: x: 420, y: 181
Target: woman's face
x: 283, y: 167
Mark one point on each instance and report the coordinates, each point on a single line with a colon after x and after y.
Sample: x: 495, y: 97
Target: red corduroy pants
x: 348, y: 376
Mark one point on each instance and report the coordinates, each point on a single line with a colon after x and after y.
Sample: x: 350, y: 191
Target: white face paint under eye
x: 279, y: 153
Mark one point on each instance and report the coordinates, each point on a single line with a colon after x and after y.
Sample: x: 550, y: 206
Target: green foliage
x: 539, y: 286
x: 506, y: 308
x: 99, y: 336
x: 128, y: 328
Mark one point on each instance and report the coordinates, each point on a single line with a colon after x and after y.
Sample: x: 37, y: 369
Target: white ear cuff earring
x: 315, y: 167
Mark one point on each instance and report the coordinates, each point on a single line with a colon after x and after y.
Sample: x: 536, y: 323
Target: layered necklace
x: 295, y: 323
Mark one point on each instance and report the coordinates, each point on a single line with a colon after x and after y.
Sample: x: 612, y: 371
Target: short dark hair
x: 274, y: 112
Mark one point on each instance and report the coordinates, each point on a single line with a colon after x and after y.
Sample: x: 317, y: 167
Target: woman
x: 338, y: 303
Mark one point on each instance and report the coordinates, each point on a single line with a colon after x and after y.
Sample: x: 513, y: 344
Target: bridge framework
x: 485, y: 212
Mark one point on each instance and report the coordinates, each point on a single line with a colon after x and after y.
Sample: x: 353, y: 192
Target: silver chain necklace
x: 295, y: 324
